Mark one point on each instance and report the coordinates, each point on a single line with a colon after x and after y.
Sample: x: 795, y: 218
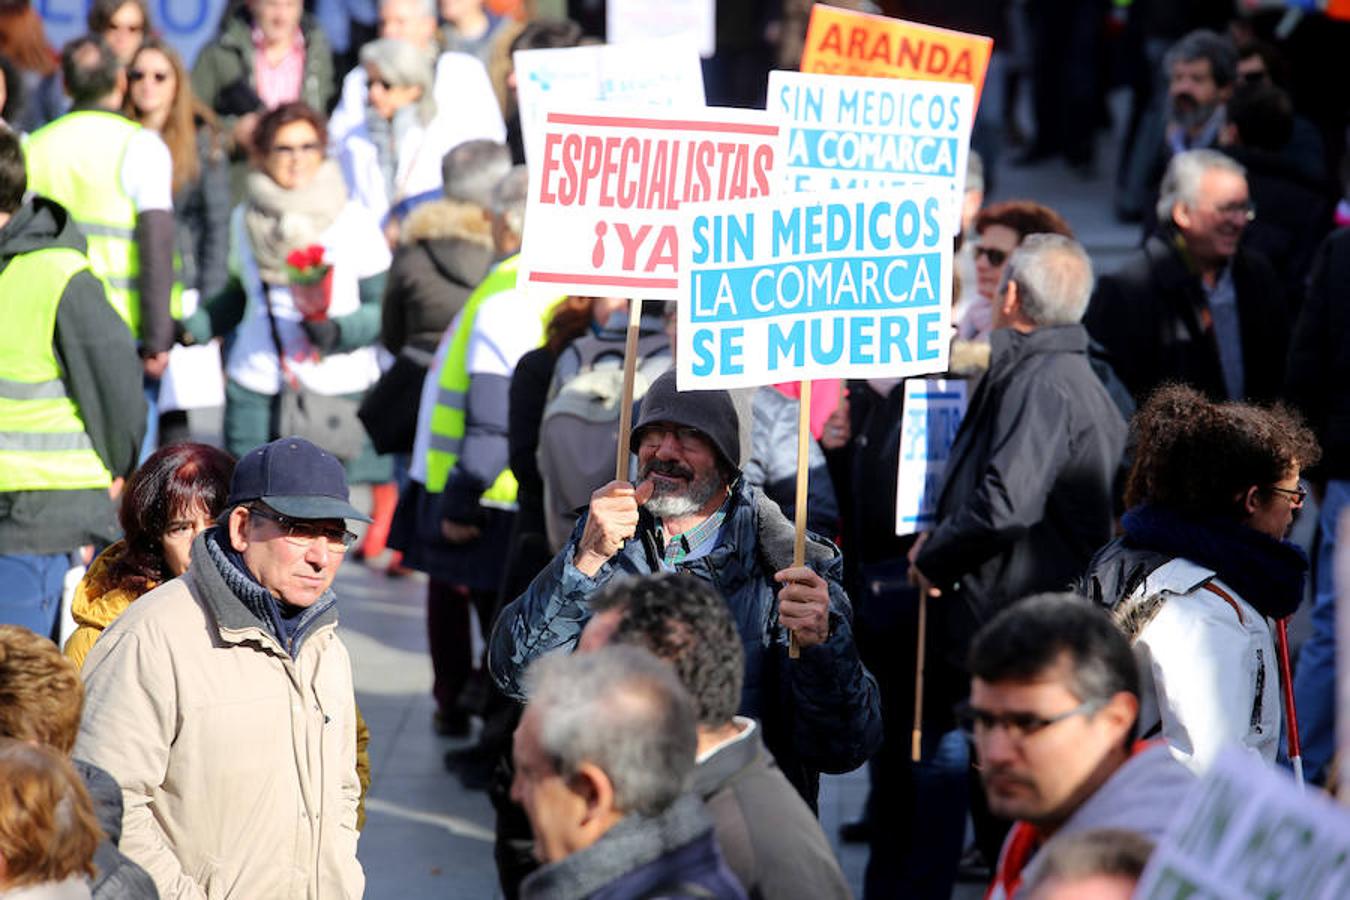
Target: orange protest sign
x: 843, y: 42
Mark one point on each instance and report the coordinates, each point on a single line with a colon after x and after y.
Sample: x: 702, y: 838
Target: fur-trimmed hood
x: 448, y: 219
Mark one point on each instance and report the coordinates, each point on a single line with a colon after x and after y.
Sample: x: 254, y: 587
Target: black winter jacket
x: 821, y: 712
x: 1148, y: 317
x: 1026, y: 498
x: 102, y: 374
x: 116, y: 877
x: 1319, y: 358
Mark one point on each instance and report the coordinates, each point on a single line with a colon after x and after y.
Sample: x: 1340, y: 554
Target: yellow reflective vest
x: 43, y: 444
x: 89, y: 185
x: 452, y: 390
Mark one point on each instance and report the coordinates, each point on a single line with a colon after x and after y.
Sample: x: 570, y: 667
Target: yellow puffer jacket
x: 97, y: 604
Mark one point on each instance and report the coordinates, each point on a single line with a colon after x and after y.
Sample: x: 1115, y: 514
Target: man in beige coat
x: 222, y: 701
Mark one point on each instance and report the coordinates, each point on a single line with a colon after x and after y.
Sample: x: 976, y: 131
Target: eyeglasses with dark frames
x: 138, y: 75
x: 1297, y: 495
x: 979, y: 723
x: 301, y: 533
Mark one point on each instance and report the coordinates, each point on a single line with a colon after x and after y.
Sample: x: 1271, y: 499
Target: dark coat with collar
x: 1148, y: 317
x: 671, y: 856
x: 821, y: 712
x: 1319, y: 359
x: 1026, y: 498
x: 769, y: 837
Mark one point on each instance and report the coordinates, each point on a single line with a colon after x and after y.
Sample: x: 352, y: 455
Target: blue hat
x: 295, y: 478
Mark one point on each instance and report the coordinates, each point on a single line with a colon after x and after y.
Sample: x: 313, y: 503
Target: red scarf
x: 1022, y: 843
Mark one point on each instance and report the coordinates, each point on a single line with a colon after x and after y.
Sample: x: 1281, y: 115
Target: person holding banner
x: 691, y: 511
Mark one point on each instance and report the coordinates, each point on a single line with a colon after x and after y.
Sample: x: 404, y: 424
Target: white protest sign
x: 187, y: 25
x: 852, y: 133
x: 606, y: 187
x: 1246, y: 831
x: 933, y: 410
x: 655, y: 73
x: 802, y: 286
x: 635, y: 20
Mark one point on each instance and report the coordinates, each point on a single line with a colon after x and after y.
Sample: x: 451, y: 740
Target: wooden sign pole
x: 803, y: 482
x: 626, y: 402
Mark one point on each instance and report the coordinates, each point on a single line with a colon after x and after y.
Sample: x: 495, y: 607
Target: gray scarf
x: 631, y: 844
x: 279, y: 220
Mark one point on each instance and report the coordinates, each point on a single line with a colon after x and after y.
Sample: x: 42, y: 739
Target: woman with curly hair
x: 1204, y: 565
x: 176, y: 494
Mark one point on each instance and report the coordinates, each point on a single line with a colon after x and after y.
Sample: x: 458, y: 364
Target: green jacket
x: 229, y: 59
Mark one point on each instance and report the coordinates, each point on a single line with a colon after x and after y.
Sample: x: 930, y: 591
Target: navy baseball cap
x: 295, y: 478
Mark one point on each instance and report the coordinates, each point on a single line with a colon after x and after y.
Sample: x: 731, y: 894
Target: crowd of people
x: 333, y: 203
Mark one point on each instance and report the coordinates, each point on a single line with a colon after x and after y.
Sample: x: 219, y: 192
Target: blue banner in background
x: 187, y: 25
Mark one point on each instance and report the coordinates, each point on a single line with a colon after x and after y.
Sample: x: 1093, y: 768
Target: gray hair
x: 508, y: 198
x: 1210, y: 46
x: 1053, y: 275
x: 472, y: 170
x: 974, y: 172
x: 622, y: 710
x: 1185, y: 171
x: 1113, y: 852
x: 402, y: 64
x: 428, y: 8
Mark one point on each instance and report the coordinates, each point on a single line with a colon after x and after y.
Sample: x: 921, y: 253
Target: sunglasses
x: 300, y: 533
x: 1296, y: 496
x: 995, y: 256
x: 137, y: 75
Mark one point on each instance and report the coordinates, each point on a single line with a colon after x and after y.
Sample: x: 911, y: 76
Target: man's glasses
x: 136, y: 75
x: 1242, y: 208
x: 995, y: 256
x: 1298, y: 494
x: 301, y: 533
x: 979, y: 723
x: 291, y: 151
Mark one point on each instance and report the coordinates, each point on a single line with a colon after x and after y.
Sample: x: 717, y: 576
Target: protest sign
x: 854, y: 133
x: 655, y: 73
x: 637, y: 20
x: 1245, y: 831
x: 802, y: 286
x: 843, y: 42
x: 932, y: 415
x: 187, y: 25
x: 607, y: 186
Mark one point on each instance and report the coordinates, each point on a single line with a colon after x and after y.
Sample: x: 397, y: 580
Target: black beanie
x: 711, y: 412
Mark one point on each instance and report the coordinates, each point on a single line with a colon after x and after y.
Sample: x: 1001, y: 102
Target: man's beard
x: 674, y: 501
x: 1186, y: 112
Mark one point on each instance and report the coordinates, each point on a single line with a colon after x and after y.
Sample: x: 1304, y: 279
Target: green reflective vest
x: 89, y: 186
x: 43, y: 444
x: 452, y: 390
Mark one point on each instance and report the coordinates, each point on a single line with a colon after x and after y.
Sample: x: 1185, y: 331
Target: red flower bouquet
x: 311, y: 281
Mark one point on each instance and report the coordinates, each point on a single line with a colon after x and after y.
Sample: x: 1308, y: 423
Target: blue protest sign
x: 852, y: 133
x: 932, y: 414
x: 846, y: 285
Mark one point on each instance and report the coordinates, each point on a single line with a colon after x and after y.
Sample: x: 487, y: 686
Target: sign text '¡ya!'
x: 650, y: 173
